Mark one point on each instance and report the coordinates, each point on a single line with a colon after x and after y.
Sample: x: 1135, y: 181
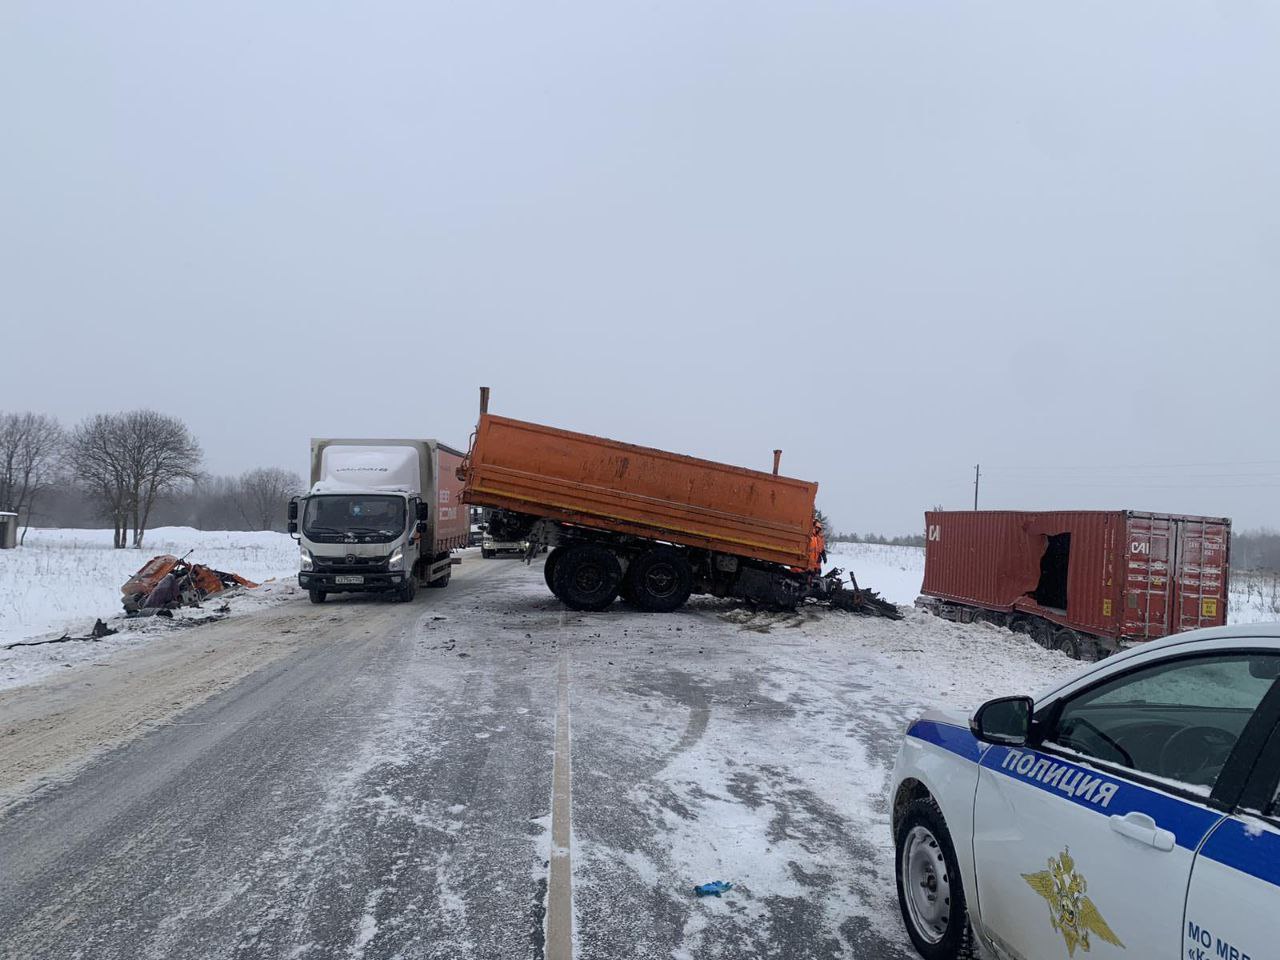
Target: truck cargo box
x: 425, y: 468
x: 1123, y: 575
x: 590, y: 481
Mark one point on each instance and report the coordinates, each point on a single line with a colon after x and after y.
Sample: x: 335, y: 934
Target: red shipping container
x: 1123, y: 576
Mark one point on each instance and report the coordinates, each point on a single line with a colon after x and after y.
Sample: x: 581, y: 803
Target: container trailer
x: 649, y: 525
x: 1085, y: 582
x: 381, y: 516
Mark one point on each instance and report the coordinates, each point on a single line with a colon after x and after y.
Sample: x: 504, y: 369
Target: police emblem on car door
x: 1071, y: 912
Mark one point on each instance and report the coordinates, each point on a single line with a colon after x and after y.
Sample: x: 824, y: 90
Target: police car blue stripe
x: 957, y: 740
x: 1257, y: 854
x: 1187, y: 821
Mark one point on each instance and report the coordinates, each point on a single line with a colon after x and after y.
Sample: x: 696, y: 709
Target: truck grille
x: 351, y: 564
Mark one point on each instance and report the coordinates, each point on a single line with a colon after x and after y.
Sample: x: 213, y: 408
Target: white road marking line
x: 560, y: 881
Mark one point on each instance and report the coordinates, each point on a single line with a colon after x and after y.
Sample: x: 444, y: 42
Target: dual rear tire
x: 588, y: 576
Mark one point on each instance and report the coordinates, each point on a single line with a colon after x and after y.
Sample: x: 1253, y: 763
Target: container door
x: 1148, y: 587
x: 1200, y: 574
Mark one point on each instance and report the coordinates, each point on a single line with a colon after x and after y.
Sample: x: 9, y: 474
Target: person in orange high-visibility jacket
x: 817, y: 546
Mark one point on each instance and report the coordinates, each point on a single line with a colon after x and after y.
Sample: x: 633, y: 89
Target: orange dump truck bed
x: 593, y: 482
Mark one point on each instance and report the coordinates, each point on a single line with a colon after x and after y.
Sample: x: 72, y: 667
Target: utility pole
x: 977, y: 476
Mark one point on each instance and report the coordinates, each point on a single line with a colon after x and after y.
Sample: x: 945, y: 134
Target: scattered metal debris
x: 168, y: 582
x: 100, y: 630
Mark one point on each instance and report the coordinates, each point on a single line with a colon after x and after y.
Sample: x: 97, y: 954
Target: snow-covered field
x: 63, y: 580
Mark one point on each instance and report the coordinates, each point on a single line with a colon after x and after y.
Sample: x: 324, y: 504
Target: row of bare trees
x: 124, y: 464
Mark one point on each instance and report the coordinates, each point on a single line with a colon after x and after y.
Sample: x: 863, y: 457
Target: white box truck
x: 381, y: 516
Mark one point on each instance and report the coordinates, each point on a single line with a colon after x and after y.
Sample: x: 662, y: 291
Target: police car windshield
x: 341, y: 516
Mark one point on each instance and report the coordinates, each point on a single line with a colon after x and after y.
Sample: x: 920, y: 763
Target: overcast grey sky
x: 892, y: 238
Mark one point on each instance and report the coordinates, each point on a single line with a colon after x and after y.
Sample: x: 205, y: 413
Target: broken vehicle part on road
x: 167, y: 582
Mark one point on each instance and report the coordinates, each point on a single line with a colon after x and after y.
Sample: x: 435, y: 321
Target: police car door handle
x: 1140, y: 827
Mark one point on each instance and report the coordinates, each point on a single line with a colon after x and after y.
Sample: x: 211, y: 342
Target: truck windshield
x: 343, y: 516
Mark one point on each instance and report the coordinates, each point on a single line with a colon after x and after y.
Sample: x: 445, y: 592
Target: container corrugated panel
x: 591, y: 481
x: 1176, y: 575
x: 1128, y: 575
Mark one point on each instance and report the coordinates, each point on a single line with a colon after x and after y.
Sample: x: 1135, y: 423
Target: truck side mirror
x: 424, y: 512
x: 293, y: 509
x: 293, y: 527
x: 1006, y: 721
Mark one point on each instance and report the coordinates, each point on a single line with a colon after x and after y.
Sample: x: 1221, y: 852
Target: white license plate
x: 348, y: 579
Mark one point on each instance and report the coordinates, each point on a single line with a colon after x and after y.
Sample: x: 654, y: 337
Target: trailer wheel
x: 1077, y: 646
x: 549, y: 567
x: 317, y: 596
x: 587, y: 577
x: 1069, y: 642
x: 660, y: 580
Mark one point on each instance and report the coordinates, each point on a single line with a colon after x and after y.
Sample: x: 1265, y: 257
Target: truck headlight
x: 396, y: 560
x: 305, y: 559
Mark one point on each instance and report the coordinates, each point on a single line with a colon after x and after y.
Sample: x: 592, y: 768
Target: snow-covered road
x: 374, y: 780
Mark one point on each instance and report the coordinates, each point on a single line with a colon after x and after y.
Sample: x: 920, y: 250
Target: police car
x: 1131, y: 811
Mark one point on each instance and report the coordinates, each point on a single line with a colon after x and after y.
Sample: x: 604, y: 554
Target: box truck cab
x: 381, y: 516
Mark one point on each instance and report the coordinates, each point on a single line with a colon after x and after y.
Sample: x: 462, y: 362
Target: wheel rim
x: 661, y: 581
x: 589, y: 579
x: 926, y: 883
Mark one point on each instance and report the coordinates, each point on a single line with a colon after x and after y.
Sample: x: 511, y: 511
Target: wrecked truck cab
x: 166, y: 582
x: 382, y: 516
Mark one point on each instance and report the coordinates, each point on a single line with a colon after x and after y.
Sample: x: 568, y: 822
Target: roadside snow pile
x: 893, y: 572
x: 62, y: 580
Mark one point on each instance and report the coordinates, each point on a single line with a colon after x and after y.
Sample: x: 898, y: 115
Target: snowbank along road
x: 362, y: 779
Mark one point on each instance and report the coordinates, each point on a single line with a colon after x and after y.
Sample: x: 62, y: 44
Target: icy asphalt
x: 384, y: 790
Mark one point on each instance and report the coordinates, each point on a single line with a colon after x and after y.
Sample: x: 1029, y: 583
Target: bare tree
x: 96, y: 457
x: 263, y: 495
x: 129, y: 459
x: 159, y: 452
x: 30, y: 452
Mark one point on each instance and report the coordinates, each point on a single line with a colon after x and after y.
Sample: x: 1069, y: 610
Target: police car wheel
x: 929, y: 889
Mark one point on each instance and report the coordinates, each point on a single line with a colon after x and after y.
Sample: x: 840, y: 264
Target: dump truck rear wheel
x: 549, y: 567
x: 660, y: 580
x: 587, y: 577
x: 317, y: 596
x: 442, y: 580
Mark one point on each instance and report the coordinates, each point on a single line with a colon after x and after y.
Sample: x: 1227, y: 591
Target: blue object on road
x: 712, y: 889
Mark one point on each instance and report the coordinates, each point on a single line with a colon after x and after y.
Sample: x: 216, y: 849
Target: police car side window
x: 1178, y: 720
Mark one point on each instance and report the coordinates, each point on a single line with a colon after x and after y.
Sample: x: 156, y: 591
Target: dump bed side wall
x: 600, y: 483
